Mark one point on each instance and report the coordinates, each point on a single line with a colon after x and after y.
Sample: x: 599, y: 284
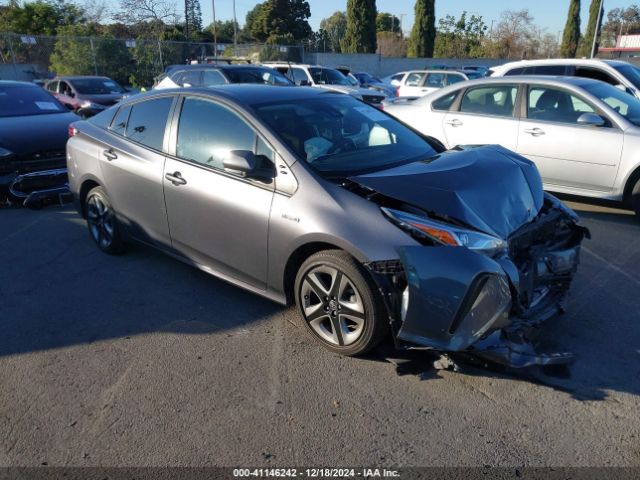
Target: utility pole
x: 597, y: 32
x: 401, y: 15
x: 215, y: 30
x: 235, y: 29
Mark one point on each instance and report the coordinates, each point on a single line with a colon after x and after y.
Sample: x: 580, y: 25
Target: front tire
x: 339, y: 303
x: 635, y: 198
x: 102, y: 222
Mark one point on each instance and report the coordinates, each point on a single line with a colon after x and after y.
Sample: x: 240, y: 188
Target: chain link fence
x: 130, y: 62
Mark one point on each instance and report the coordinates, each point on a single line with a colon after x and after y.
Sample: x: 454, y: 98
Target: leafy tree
x: 192, y: 18
x: 587, y: 42
x: 78, y: 51
x: 423, y: 33
x: 42, y: 17
x: 460, y: 38
x: 334, y: 27
x: 620, y: 21
x: 360, y: 36
x: 279, y: 18
x: 385, y: 22
x: 224, y: 30
x: 571, y: 35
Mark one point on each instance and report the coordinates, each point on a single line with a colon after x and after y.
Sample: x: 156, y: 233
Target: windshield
x: 328, y: 76
x: 265, y: 76
x: 473, y: 75
x: 631, y: 73
x: 366, y: 78
x: 96, y: 86
x: 20, y: 100
x: 621, y: 102
x: 341, y: 136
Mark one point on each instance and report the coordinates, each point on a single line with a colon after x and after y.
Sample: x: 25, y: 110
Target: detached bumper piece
x: 457, y: 300
x: 38, y: 189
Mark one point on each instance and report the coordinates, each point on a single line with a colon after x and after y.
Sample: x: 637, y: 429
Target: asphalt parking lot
x: 139, y: 360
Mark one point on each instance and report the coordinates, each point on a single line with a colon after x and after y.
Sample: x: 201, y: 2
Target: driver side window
x: 207, y: 132
x: 554, y: 105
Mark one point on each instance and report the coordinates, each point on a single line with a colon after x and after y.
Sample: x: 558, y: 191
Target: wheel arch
x: 298, y: 257
x: 87, y: 185
x: 630, y: 183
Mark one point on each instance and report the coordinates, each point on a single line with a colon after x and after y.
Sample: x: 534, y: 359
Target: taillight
x: 72, y: 131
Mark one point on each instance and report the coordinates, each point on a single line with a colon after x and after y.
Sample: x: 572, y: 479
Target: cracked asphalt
x: 139, y: 360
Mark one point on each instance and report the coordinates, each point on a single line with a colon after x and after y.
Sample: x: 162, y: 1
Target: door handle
x: 536, y: 132
x: 454, y: 123
x: 175, y: 178
x: 110, y: 155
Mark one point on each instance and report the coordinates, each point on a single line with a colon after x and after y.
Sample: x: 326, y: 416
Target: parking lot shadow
x: 57, y: 290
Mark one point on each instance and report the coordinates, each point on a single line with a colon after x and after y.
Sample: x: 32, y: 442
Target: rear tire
x: 340, y: 304
x: 102, y: 222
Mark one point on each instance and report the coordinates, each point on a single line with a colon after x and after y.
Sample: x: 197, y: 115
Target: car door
x: 566, y: 153
x: 132, y: 166
x: 217, y: 219
x: 67, y: 96
x: 412, y: 85
x: 485, y: 116
x: 432, y: 82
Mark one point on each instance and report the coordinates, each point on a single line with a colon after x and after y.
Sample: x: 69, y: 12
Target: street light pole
x: 595, y: 34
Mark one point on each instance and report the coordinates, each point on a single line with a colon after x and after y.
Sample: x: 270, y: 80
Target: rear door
x: 566, y: 153
x: 217, y: 219
x: 485, y: 116
x: 132, y: 167
x: 412, y: 85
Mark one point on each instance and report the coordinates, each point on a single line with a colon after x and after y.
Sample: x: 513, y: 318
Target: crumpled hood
x: 355, y: 91
x: 104, y: 99
x: 489, y: 188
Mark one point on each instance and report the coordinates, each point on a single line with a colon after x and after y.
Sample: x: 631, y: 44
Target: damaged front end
x: 487, y: 303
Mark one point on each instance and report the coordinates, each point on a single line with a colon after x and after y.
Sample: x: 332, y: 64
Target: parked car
x: 33, y: 130
x: 583, y: 134
x: 395, y: 79
x: 313, y: 197
x: 86, y: 95
x: 617, y: 73
x: 207, y: 75
x: 481, y: 69
x: 418, y: 83
x: 327, y: 79
x: 365, y: 80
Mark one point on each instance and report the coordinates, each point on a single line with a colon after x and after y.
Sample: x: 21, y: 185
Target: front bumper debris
x: 456, y: 300
x: 38, y: 189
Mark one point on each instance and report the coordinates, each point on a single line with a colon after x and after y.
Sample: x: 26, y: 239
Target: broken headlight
x: 422, y: 228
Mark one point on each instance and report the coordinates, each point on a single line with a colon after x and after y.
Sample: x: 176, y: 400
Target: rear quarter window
x: 147, y: 122
x: 443, y: 104
x: 104, y: 118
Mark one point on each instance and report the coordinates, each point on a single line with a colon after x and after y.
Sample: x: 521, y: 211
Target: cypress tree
x: 587, y: 41
x: 360, y: 36
x: 571, y: 35
x: 423, y: 33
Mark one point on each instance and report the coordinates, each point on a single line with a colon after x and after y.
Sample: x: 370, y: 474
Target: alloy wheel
x: 332, y: 306
x: 101, y: 221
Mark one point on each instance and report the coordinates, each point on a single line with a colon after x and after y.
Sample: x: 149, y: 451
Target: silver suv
x: 301, y: 195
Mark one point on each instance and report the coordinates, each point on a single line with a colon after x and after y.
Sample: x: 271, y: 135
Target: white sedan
x: 583, y: 134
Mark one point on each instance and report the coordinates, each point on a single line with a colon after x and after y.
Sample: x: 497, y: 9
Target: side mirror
x: 187, y: 85
x: 71, y: 94
x: 241, y: 162
x: 591, y: 119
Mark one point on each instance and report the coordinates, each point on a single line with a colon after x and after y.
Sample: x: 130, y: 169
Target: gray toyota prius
x: 308, y: 196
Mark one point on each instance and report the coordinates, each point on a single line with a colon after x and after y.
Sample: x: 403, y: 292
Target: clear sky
x: 549, y: 14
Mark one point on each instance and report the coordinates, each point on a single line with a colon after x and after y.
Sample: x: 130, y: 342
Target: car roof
x: 243, y: 93
x: 79, y: 77
x: 213, y: 66
x: 550, y: 79
x: 560, y: 61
